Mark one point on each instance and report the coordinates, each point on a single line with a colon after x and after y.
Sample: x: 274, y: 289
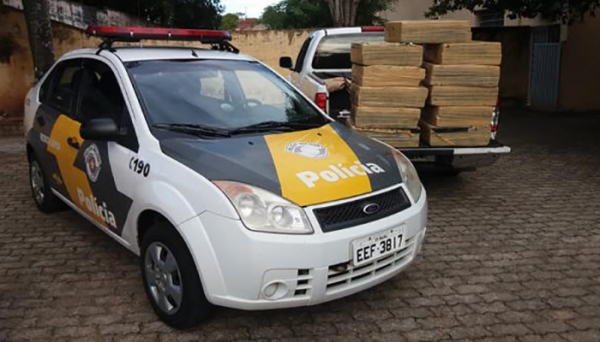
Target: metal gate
x: 544, y: 75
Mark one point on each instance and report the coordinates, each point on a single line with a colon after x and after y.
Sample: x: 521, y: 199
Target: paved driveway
x: 513, y: 254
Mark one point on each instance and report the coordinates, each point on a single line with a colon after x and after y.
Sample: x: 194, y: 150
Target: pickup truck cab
x: 233, y: 188
x: 326, y: 55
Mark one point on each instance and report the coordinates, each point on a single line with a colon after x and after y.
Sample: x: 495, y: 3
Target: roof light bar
x: 134, y: 34
x: 372, y: 29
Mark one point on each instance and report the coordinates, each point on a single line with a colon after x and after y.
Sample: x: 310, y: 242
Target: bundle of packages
x: 394, y: 137
x: 463, y: 89
x: 386, y: 92
x: 462, y: 77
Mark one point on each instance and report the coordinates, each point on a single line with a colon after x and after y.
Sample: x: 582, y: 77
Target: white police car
x: 234, y: 189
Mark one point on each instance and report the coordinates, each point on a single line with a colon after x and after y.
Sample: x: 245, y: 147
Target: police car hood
x: 307, y: 167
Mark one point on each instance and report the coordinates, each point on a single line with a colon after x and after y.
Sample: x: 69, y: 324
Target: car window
x: 258, y: 87
x: 217, y: 93
x: 213, y: 85
x: 60, y: 89
x: 302, y: 55
x: 101, y: 95
x: 333, y: 52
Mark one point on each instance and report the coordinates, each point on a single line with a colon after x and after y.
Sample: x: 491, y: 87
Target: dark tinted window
x: 61, y: 87
x: 101, y: 95
x: 333, y: 52
x: 302, y: 55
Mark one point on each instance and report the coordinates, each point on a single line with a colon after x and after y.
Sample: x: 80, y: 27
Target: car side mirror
x: 104, y: 129
x: 286, y: 62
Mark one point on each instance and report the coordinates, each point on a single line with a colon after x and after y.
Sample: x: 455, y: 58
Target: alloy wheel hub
x: 163, y: 278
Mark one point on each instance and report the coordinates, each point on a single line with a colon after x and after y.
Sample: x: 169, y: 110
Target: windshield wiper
x: 195, y: 129
x: 272, y: 126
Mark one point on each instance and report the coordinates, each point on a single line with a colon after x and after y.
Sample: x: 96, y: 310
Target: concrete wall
x: 516, y: 47
x: 267, y: 46
x: 16, y: 65
x: 16, y: 75
x: 580, y: 67
x: 415, y: 10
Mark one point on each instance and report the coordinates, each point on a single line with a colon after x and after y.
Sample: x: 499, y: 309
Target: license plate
x: 377, y: 245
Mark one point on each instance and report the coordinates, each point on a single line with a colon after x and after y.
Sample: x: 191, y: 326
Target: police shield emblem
x: 92, y: 162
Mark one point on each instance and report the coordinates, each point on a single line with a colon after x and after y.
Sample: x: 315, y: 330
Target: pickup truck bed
x: 314, y: 68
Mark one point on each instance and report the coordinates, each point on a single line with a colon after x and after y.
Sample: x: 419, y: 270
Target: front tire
x: 171, y: 279
x: 44, y: 198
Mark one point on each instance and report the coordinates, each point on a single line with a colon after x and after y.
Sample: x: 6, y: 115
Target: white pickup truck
x: 326, y: 54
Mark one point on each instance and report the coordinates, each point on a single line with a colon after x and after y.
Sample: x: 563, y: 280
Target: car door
x: 100, y: 169
x: 53, y: 122
x: 298, y: 73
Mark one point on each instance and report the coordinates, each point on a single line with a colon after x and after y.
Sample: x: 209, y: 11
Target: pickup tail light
x: 372, y: 29
x: 495, y: 119
x: 321, y: 101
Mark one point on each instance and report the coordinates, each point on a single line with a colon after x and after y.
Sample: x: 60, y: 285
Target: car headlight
x: 410, y: 177
x: 263, y: 211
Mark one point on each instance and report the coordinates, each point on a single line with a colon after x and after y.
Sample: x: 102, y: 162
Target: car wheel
x: 171, y: 279
x: 44, y: 199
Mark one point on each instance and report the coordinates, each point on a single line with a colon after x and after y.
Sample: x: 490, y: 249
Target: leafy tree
x: 368, y: 11
x: 567, y: 11
x: 230, y: 21
x: 168, y: 13
x: 274, y: 16
x: 343, y: 11
x: 290, y: 14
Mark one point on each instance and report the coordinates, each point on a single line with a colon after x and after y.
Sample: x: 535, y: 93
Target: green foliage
x: 230, y: 21
x: 291, y: 14
x: 566, y: 11
x: 168, y: 13
x: 368, y: 10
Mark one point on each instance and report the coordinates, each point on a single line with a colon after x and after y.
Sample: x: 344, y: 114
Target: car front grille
x: 341, y: 277
x: 351, y: 214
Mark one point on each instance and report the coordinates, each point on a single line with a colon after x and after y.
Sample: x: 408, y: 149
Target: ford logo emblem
x: 370, y: 208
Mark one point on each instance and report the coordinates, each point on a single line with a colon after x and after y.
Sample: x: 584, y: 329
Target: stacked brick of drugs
x: 386, y: 93
x: 462, y: 77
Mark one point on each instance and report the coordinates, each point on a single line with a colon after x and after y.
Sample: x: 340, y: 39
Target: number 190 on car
x: 376, y: 246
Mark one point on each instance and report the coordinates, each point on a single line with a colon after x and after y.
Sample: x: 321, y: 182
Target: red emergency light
x: 134, y: 34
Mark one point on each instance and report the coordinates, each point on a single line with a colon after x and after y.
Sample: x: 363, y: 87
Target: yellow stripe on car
x: 317, y: 166
x: 75, y: 180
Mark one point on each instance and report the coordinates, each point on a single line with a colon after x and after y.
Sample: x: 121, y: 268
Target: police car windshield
x: 221, y: 94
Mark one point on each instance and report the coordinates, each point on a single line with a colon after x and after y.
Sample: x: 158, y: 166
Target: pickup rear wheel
x: 171, y: 279
x: 44, y: 199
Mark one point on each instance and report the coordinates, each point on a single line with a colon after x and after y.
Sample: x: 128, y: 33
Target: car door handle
x: 73, y: 143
